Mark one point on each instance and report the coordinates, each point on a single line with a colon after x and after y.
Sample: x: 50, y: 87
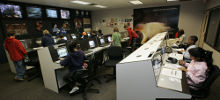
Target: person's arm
x: 21, y: 48
x: 65, y: 61
x: 134, y: 34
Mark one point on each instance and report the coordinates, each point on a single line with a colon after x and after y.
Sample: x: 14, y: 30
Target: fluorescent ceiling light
x: 136, y: 2
x: 81, y: 2
x: 100, y: 6
x: 172, y: 0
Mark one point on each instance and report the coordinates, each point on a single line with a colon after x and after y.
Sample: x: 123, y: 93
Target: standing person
x: 191, y: 44
x: 132, y: 34
x: 75, y: 61
x: 47, y: 39
x: 100, y: 34
x: 17, y: 53
x: 116, y: 37
x: 138, y: 29
x: 198, y: 69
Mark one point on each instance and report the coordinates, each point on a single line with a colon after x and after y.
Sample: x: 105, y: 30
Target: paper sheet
x: 172, y: 66
x: 171, y: 73
x: 177, y: 56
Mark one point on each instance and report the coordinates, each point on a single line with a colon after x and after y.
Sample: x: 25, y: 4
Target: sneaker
x: 19, y: 79
x: 74, y: 90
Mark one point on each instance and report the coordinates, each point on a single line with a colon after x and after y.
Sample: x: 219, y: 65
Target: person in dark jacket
x: 17, y: 53
x: 62, y: 40
x: 75, y: 61
x: 47, y: 39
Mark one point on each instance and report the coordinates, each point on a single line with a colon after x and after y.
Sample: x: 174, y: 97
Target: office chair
x: 33, y: 61
x: 203, y: 90
x: 115, y: 54
x: 98, y: 61
x: 85, y: 78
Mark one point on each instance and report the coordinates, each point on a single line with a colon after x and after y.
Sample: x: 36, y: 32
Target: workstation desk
x: 53, y: 72
x: 138, y: 78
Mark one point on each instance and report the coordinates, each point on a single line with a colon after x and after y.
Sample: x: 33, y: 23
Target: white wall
x: 190, y: 18
x: 106, y: 15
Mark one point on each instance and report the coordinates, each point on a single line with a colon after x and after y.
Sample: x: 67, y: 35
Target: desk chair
x: 33, y: 62
x: 98, y: 61
x: 203, y: 90
x: 85, y: 79
x: 115, y: 54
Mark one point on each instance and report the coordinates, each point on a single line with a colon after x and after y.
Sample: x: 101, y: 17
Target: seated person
x: 198, y: 69
x: 191, y: 44
x: 47, y: 39
x: 61, y: 40
x: 74, y: 61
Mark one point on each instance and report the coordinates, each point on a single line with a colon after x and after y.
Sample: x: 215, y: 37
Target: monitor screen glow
x: 62, y: 52
x: 109, y: 39
x: 64, y: 38
x: 102, y: 41
x: 65, y: 14
x: 73, y: 36
x: 34, y: 12
x: 10, y: 11
x: 51, y: 13
x: 91, y: 44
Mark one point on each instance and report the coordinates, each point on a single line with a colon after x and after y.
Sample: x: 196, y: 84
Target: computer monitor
x: 62, y: 52
x: 55, y: 41
x: 73, y: 37
x: 109, y: 39
x: 64, y: 38
x: 102, y: 41
x: 91, y: 44
x: 88, y: 33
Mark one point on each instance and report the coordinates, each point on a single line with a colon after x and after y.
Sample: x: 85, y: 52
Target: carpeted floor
x: 34, y: 90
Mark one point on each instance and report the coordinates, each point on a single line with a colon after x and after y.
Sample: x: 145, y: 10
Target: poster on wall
x: 87, y: 30
x: 86, y: 21
x: 78, y: 24
x: 18, y: 29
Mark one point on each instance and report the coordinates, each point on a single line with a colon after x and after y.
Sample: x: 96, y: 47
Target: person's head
x: 199, y: 54
x: 126, y: 26
x: 11, y: 35
x: 100, y: 31
x: 116, y: 29
x: 181, y: 32
x: 46, y: 32
x: 64, y: 26
x: 192, y: 40
x: 73, y: 46
x: 62, y: 36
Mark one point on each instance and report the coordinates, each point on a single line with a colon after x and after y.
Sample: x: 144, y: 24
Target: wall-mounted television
x: 51, y: 13
x: 34, y: 12
x: 10, y: 11
x: 65, y: 14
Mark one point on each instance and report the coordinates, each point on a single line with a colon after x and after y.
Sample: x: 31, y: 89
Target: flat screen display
x: 64, y: 38
x: 62, y: 52
x: 88, y: 33
x: 34, y: 12
x: 51, y: 13
x: 91, y: 44
x: 73, y: 36
x: 102, y: 41
x: 109, y: 39
x: 10, y: 11
x: 65, y: 14
x: 55, y: 41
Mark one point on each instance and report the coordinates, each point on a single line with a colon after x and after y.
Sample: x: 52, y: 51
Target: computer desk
x: 53, y: 72
x: 136, y: 78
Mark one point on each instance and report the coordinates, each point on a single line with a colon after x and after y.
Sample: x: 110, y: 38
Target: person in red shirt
x: 17, y: 53
x: 132, y: 34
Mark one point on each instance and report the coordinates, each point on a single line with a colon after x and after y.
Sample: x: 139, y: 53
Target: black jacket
x: 47, y: 40
x: 61, y: 41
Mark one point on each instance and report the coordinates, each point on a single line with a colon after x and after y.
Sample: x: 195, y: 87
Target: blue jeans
x: 20, y: 68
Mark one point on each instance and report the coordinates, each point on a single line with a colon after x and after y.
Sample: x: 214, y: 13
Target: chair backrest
x: 115, y: 52
x: 99, y: 57
x: 213, y: 75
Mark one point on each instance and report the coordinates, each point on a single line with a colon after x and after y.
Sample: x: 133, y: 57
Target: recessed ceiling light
x: 136, y: 2
x: 100, y: 6
x: 80, y: 2
x: 171, y: 0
